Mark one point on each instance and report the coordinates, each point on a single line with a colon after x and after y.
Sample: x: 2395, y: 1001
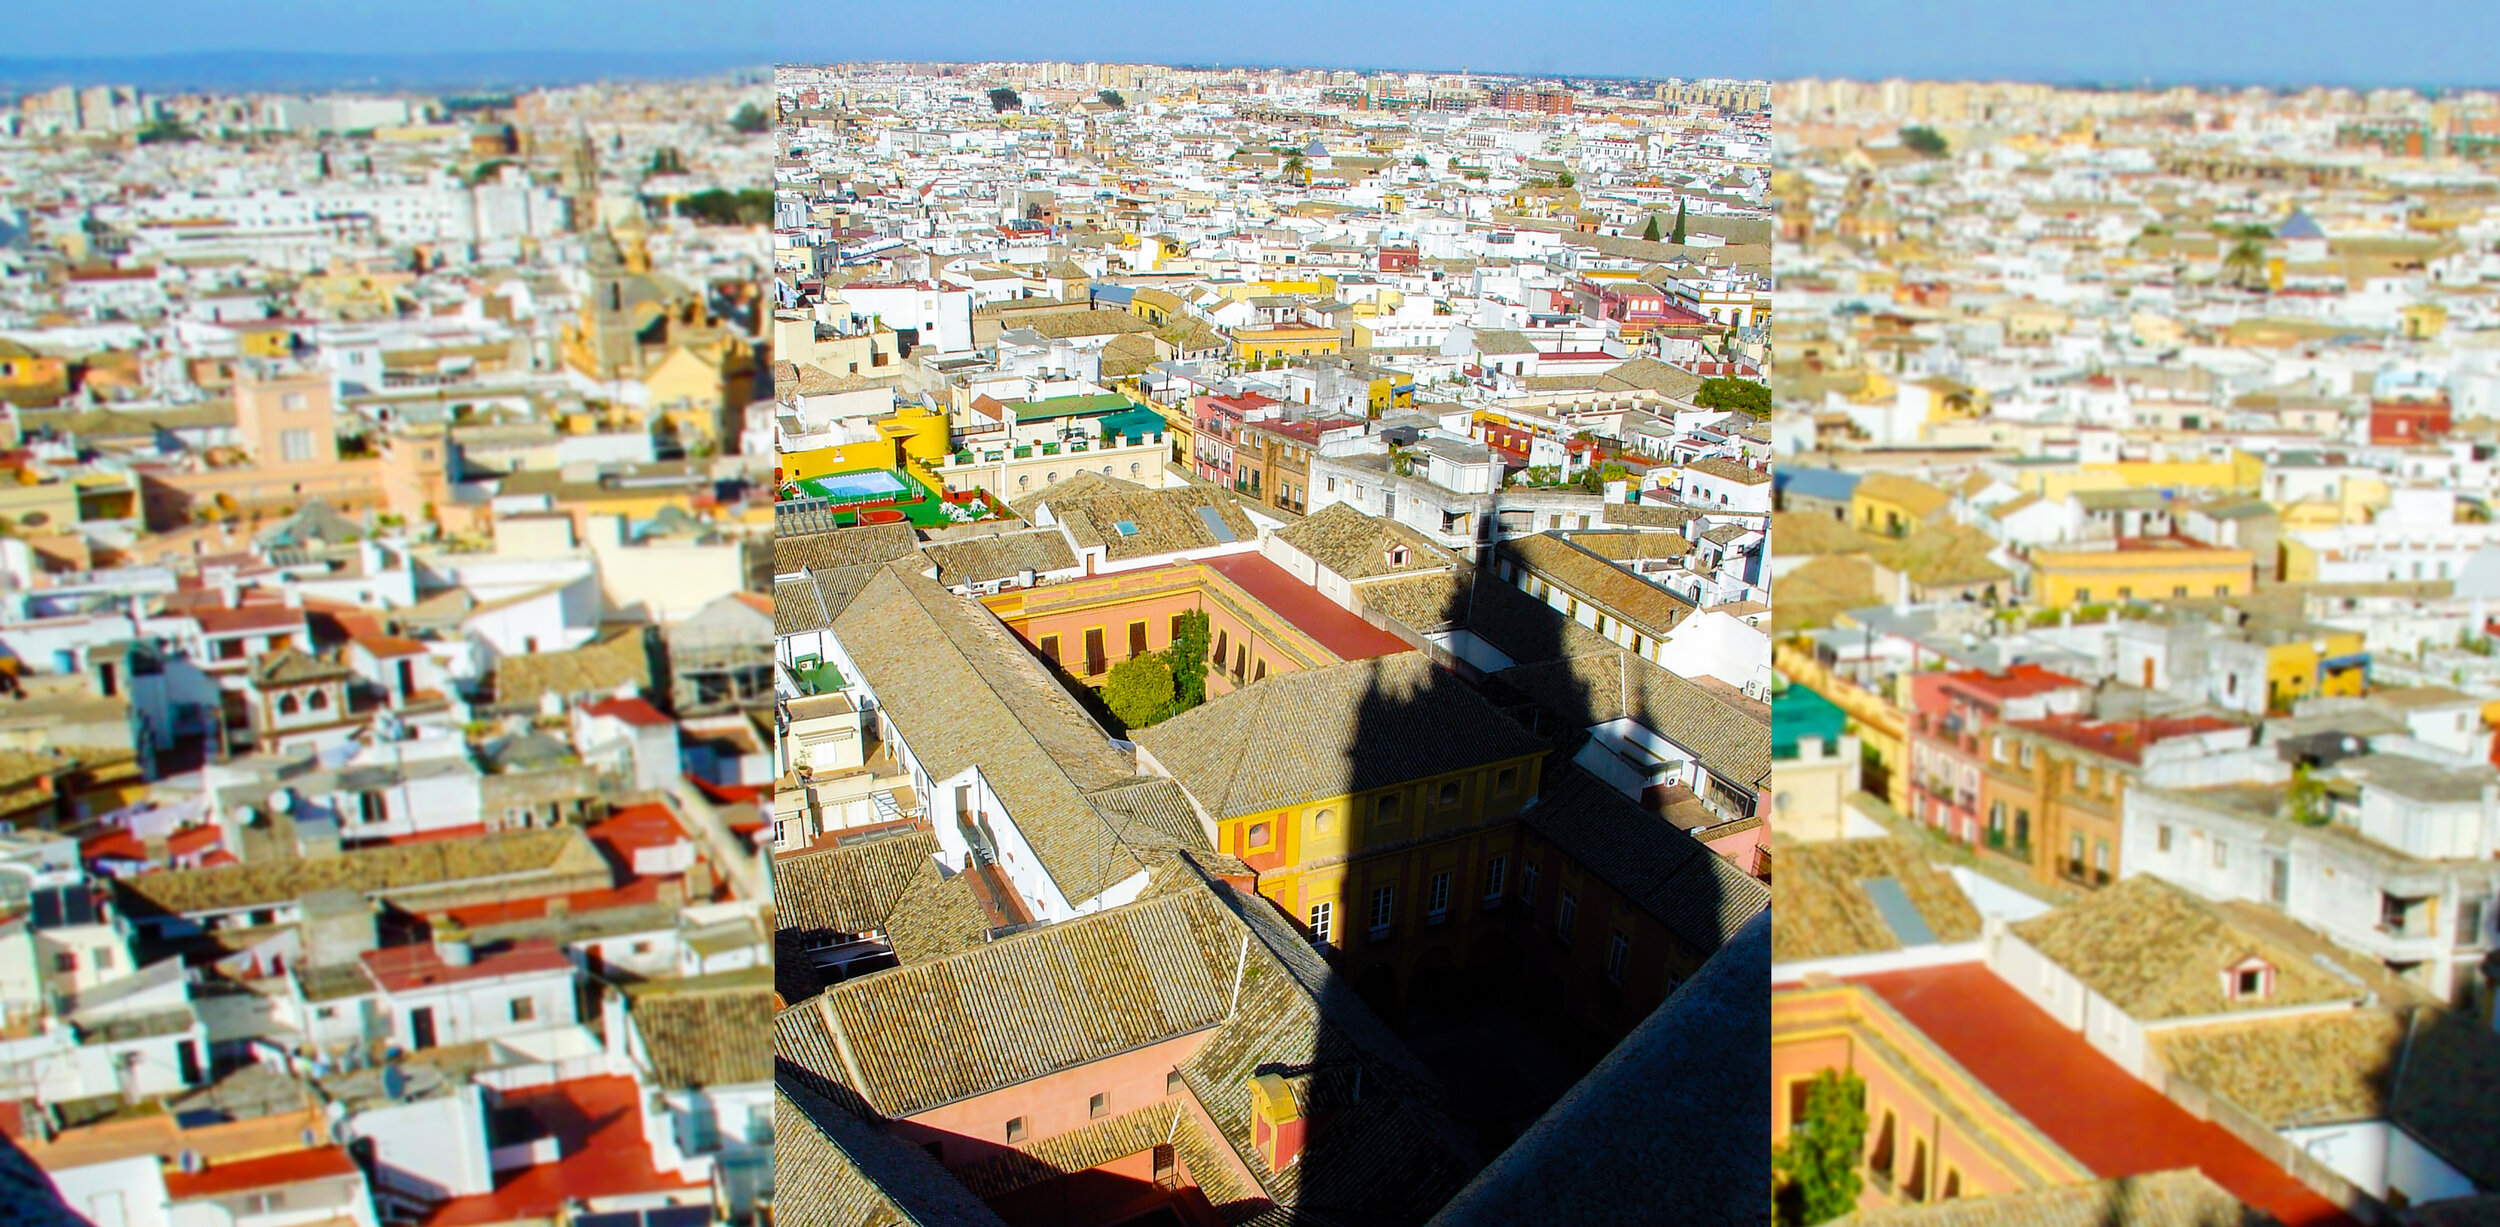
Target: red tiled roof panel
x: 2104, y: 1117
x: 264, y: 1172
x: 1337, y: 629
x: 637, y: 712
x: 599, y: 1122
x: 404, y: 968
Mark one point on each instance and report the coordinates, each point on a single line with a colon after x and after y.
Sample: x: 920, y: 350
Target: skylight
x: 1127, y: 528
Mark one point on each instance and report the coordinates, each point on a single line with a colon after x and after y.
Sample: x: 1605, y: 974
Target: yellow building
x: 2242, y: 473
x: 1890, y: 505
x: 1372, y: 799
x: 30, y: 378
x: 1278, y: 341
x: 2157, y: 570
x: 2315, y: 662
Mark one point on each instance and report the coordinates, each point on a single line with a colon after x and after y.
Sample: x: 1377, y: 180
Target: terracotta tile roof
x: 1045, y: 1000
x: 843, y: 547
x: 400, y: 969
x: 385, y: 871
x: 1669, y: 875
x: 852, y: 889
x: 1166, y: 521
x: 813, y: 600
x: 2183, y: 1198
x: 2157, y: 952
x: 621, y: 659
x: 1826, y: 912
x: 1319, y: 733
x: 1105, y: 1141
x: 293, y: 667
x: 1357, y: 546
x: 1600, y: 582
x: 966, y: 693
x: 1730, y: 733
x: 934, y: 921
x: 997, y: 556
x: 706, y: 1031
x: 832, y: 1168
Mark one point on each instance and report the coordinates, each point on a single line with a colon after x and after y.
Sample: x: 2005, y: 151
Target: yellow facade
x: 2298, y: 669
x: 2062, y: 579
x: 1290, y: 341
x: 2241, y: 474
x: 1315, y: 847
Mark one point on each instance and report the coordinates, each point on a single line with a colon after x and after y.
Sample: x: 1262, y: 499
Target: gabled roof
x: 1319, y: 733
x: 2157, y: 952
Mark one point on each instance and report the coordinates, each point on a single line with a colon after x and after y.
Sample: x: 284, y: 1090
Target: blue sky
x: 373, y: 27
x: 1660, y: 38
x: 2288, y: 42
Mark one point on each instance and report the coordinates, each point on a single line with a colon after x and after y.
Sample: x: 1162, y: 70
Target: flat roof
x: 2104, y: 1117
x: 1336, y: 629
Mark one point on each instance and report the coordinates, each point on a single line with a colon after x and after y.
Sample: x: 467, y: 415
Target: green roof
x: 1136, y: 422
x: 1071, y: 406
x: 1800, y: 714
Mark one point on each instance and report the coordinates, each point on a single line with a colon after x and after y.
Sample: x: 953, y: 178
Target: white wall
x: 435, y: 1147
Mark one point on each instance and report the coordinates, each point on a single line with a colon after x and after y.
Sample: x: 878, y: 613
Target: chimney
x: 1277, y: 1127
x: 451, y: 945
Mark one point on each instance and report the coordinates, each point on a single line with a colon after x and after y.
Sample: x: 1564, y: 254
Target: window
x: 1176, y: 626
x: 269, y: 1202
x: 1260, y: 836
x: 2083, y: 596
x: 1384, y: 908
x: 2222, y: 855
x: 524, y: 1009
x: 292, y: 401
x: 295, y: 446
x: 1332, y: 485
x: 1504, y: 780
x: 1563, y: 916
x: 1137, y: 638
x: 2024, y: 754
x: 1449, y: 793
x: 1223, y: 643
x: 1323, y: 821
x: 1438, y: 901
x: 2248, y: 982
x: 1050, y: 648
x: 1527, y: 882
x: 1172, y: 1083
x: 1015, y: 1130
x: 1385, y: 809
x: 1615, y: 950
x: 2161, y: 837
x: 1493, y: 879
x: 2470, y: 922
x: 1323, y: 921
x: 65, y: 961
x: 1095, y: 660
x: 1096, y: 1107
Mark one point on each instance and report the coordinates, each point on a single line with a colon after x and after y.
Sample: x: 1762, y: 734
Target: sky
x: 2287, y: 42
x: 1626, y: 38
x: 392, y: 27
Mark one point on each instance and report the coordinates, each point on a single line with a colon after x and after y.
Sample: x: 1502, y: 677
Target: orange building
x: 1089, y: 625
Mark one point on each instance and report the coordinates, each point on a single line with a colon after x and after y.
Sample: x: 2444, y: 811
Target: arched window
x: 287, y: 706
x: 320, y: 700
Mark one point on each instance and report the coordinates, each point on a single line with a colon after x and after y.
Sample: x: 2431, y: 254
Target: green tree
x: 1678, y: 237
x: 1293, y: 165
x: 1187, y: 655
x: 1815, y: 1168
x: 750, y: 119
x: 1734, y: 395
x: 1453, y: 164
x: 1565, y: 180
x: 2245, y: 261
x: 2309, y: 807
x: 665, y: 160
x: 1005, y: 99
x: 715, y: 207
x: 1924, y: 140
x: 1651, y: 234
x: 166, y: 132
x: 1112, y: 98
x: 1140, y: 690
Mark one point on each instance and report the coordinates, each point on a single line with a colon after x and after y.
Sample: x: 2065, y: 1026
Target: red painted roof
x: 2082, y: 1100
x: 2122, y: 739
x: 638, y: 712
x: 636, y: 893
x: 388, y: 646
x: 263, y: 1172
x: 404, y: 968
x: 2015, y: 683
x: 637, y: 827
x: 1350, y: 637
x: 219, y: 620
x: 600, y: 1123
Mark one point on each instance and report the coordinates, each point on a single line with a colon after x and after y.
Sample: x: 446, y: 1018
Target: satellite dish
x: 283, y: 800
x: 189, y: 1161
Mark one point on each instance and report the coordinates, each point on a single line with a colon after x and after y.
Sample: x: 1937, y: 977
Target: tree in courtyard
x: 1678, y: 237
x: 750, y: 119
x: 1005, y: 99
x: 1187, y: 656
x: 2245, y: 261
x: 665, y: 160
x: 1111, y: 98
x: 1924, y: 140
x: 1139, y: 690
x: 1734, y: 395
x: 1565, y: 179
x: 1293, y: 166
x: 1815, y: 1168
